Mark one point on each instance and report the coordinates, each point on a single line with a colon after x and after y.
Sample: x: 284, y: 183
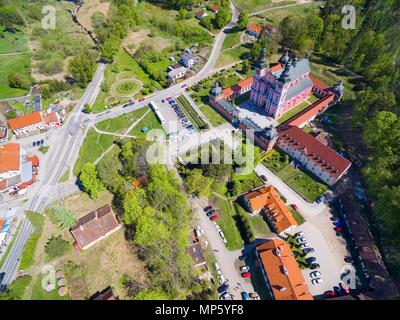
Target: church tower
x: 258, y: 86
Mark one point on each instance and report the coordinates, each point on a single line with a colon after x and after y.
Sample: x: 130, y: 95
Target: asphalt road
x: 68, y: 145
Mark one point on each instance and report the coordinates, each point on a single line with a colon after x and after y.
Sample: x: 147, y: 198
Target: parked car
x: 242, y: 257
x: 246, y: 274
x: 301, y: 240
x: 339, y: 229
x: 206, y: 209
x: 314, y: 266
x: 211, y: 213
x: 344, y: 288
x: 304, y: 245
x: 2, y: 275
x: 315, y: 274
x: 317, y: 281
x: 3, y: 288
x: 244, y: 269
x: 223, y: 287
x: 42, y: 142
x: 330, y: 294
x: 245, y: 295
x: 214, y: 217
x: 308, y: 250
x: 225, y: 296
x: 299, y: 234
x: 108, y: 111
x: 184, y: 86
x: 294, y: 207
x: 263, y: 178
x: 141, y: 99
x: 311, y: 259
x: 348, y: 259
x: 34, y: 144
x: 206, y: 243
x: 338, y: 290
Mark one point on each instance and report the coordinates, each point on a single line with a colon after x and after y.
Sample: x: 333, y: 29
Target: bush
x: 56, y: 247
x: 18, y: 80
x: 62, y: 217
x: 37, y: 221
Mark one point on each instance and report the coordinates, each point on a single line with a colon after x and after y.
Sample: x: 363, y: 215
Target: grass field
x: 13, y: 42
x: 93, y: 146
x: 149, y: 121
x: 302, y: 183
x: 229, y: 223
x: 232, y: 39
x: 232, y: 56
x: 121, y: 123
x: 213, y: 116
x: 291, y: 113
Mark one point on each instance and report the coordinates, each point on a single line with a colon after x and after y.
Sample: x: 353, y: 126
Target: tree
x: 243, y: 20
x: 222, y: 18
x: 87, y: 108
x: 197, y: 183
x: 245, y: 67
x: 18, y: 80
x: 90, y: 181
x: 62, y: 217
x: 133, y: 204
x: 82, y: 68
x: 56, y: 247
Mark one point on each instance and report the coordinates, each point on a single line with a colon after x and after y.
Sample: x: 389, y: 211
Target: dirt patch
x: 134, y: 39
x: 58, y: 76
x: 88, y: 9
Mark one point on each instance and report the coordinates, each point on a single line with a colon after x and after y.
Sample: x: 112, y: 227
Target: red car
x: 330, y: 294
x: 141, y: 99
x: 246, y: 274
x: 344, y: 288
x: 339, y: 229
x: 294, y: 207
x: 214, y: 217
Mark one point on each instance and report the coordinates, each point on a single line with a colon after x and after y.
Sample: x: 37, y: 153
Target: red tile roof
x: 214, y: 8
x: 311, y: 111
x: 326, y: 158
x: 283, y: 273
x: 94, y: 226
x: 255, y: 27
x: 318, y: 83
x: 276, y: 68
x: 9, y: 157
x: 236, y: 88
x: 51, y: 118
x: 25, y: 121
x: 34, y: 160
x: 200, y: 14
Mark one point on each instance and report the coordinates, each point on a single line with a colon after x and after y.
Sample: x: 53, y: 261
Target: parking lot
x: 329, y: 256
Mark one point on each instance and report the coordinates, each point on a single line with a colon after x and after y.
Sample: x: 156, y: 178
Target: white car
x: 317, y: 281
x: 299, y: 234
x: 315, y: 274
x: 304, y: 245
x: 221, y: 279
x: 221, y: 234
x: 216, y: 265
x: 301, y: 240
x: 244, y: 269
x: 206, y: 243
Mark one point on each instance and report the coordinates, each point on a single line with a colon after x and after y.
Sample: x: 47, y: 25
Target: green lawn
x: 149, y: 121
x: 291, y: 113
x: 38, y: 293
x: 13, y: 64
x: 232, y: 39
x: 228, y: 223
x: 275, y: 161
x: 13, y: 42
x: 121, y: 123
x: 93, y: 146
x: 233, y: 55
x: 213, y: 116
x: 302, y: 183
x: 64, y: 177
x: 253, y: 5
x: 27, y: 258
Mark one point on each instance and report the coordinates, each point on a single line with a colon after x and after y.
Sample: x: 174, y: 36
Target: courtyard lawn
x: 275, y: 161
x: 259, y: 226
x: 244, y: 183
x: 291, y: 113
x: 302, y: 183
x: 213, y: 116
x: 228, y: 223
x: 312, y: 99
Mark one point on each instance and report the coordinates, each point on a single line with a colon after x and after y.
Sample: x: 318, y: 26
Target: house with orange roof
x: 254, y: 29
x: 213, y: 7
x: 267, y: 200
x: 281, y: 271
x: 17, y: 170
x: 238, y: 89
x: 33, y: 123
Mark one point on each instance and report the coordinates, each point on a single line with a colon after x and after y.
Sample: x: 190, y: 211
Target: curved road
x: 72, y: 138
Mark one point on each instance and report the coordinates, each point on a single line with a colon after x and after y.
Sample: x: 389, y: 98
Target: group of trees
x: 156, y: 216
x: 82, y: 68
x: 10, y: 18
x: 221, y: 18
